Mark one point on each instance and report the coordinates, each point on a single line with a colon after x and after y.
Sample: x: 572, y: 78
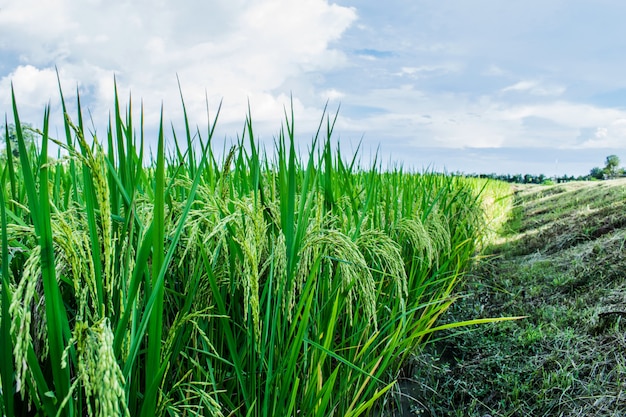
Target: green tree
x: 27, y: 132
x: 597, y: 173
x: 611, y: 167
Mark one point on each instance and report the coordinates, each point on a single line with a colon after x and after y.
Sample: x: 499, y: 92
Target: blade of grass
x: 191, y: 159
x: 27, y: 173
x: 153, y: 356
x: 10, y: 165
x: 6, y: 343
x: 155, y: 301
x: 341, y: 359
x: 56, y: 315
x: 68, y: 138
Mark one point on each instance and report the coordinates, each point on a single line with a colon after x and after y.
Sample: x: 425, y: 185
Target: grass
x: 559, y: 261
x: 241, y: 285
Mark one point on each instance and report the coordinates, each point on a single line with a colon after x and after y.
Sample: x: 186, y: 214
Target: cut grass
x: 564, y: 269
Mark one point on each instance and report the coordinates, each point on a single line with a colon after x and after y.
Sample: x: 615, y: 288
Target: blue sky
x: 474, y: 86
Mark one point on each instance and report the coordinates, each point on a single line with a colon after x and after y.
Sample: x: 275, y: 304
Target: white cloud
x: 233, y: 50
x: 429, y: 70
x: 36, y: 87
x: 535, y: 88
x: 417, y: 119
x: 423, y: 74
x: 612, y: 135
x: 331, y: 94
x: 495, y: 71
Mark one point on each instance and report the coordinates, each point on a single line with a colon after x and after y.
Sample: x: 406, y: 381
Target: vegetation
x: 8, y: 133
x: 196, y: 285
x: 611, y: 169
x: 560, y: 261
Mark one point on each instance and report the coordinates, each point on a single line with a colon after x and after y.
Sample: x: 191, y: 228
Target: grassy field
x: 240, y: 285
x: 561, y: 261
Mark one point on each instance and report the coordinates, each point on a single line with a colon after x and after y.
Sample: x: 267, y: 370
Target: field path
x: 561, y: 261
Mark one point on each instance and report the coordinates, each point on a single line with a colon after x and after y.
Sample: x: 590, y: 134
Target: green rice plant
x: 194, y: 284
x: 57, y: 325
x: 6, y: 346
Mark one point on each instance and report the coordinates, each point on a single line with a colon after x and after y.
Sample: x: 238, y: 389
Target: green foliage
x: 9, y: 141
x: 597, y: 173
x: 206, y: 286
x: 611, y: 165
x: 611, y: 169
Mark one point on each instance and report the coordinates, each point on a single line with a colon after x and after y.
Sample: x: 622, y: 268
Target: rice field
x: 256, y: 283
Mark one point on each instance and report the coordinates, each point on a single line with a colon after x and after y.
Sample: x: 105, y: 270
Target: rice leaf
x: 6, y: 343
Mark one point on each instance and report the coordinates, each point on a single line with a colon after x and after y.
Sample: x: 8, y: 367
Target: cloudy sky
x: 475, y: 86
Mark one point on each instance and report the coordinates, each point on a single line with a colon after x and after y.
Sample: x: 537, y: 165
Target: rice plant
x: 194, y: 284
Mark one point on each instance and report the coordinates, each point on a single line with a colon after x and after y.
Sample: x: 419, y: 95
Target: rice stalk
x: 73, y: 249
x: 7, y: 367
x: 418, y: 246
x: 98, y: 371
x: 354, y: 277
x: 98, y: 169
x: 221, y: 286
x: 383, y: 256
x: 250, y: 234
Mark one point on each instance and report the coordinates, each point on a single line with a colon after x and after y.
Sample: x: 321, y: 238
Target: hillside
x: 560, y: 260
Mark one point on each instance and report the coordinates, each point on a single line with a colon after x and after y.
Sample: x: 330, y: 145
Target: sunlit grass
x: 562, y: 265
x: 198, y: 285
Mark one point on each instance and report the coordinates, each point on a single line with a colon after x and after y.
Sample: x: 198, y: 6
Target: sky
x: 480, y: 86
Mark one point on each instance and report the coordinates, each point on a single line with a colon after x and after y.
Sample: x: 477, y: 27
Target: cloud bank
x: 238, y: 51
x: 411, y: 76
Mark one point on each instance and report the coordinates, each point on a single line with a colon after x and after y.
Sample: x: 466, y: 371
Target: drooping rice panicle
x: 202, y: 283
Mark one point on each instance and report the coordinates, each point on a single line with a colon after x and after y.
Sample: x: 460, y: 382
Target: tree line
x: 610, y: 170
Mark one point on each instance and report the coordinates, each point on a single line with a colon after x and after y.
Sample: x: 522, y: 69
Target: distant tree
x: 597, y: 173
x: 611, y: 167
x: 27, y: 133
